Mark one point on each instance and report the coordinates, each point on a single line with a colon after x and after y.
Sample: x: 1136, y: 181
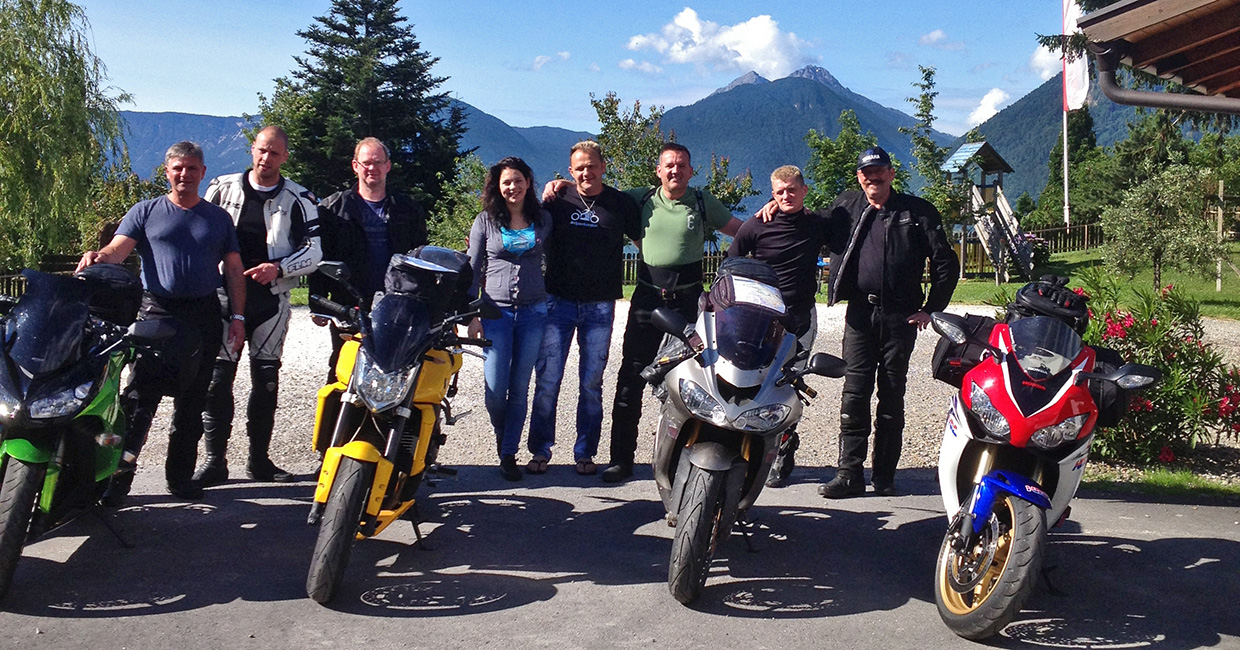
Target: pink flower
x: 1080, y: 291
x: 1166, y: 455
x: 1154, y: 322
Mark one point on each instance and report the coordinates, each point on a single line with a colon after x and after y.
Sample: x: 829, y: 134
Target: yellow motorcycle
x: 378, y: 425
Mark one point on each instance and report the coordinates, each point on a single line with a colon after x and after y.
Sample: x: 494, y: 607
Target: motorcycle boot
x: 785, y: 459
x: 261, y: 420
x: 121, y: 482
x: 217, y: 425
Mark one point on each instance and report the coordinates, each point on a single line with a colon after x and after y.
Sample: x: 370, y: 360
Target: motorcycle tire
x: 18, y: 494
x: 698, y: 529
x: 1002, y: 568
x: 338, y: 528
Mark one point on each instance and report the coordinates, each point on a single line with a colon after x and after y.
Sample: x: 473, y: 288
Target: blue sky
x: 535, y: 63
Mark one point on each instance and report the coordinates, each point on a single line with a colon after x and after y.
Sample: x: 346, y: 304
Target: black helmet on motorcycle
x: 1049, y: 296
x: 747, y: 305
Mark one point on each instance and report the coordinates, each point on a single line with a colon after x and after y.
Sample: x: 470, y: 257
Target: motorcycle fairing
x: 998, y: 482
x: 400, y: 325
x: 1030, y: 404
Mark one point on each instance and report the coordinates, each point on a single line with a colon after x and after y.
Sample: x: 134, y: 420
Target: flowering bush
x: 1198, y: 396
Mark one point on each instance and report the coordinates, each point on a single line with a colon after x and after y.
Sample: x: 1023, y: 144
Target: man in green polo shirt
x: 675, y: 217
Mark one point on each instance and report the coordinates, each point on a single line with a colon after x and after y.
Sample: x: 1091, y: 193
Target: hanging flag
x: 1075, y: 72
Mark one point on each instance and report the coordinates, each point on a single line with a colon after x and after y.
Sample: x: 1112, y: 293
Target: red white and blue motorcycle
x: 1015, y: 445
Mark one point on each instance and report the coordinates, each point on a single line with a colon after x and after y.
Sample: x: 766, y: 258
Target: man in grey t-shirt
x: 182, y: 242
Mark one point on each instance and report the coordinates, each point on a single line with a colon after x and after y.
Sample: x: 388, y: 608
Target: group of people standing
x: 552, y: 262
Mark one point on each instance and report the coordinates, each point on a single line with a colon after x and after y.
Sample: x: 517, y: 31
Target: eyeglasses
x: 369, y: 164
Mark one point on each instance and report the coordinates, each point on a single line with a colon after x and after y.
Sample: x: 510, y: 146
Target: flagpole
x: 1066, y: 223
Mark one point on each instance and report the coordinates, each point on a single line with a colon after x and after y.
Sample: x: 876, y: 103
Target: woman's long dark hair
x: 495, y: 205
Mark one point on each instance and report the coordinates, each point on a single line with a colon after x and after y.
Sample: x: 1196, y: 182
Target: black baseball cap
x: 873, y: 156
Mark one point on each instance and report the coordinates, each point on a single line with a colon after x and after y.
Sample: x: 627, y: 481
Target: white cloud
x: 756, y: 44
x: 1045, y: 62
x: 989, y: 106
x: 644, y: 66
x: 594, y: 68
x: 937, y: 40
x: 542, y: 59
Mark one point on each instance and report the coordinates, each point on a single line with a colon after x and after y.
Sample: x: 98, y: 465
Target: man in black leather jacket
x: 881, y: 241
x: 362, y: 227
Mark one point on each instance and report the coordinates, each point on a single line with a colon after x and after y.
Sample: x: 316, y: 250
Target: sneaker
x: 212, y: 473
x: 185, y: 489
x: 508, y: 468
x: 841, y: 487
x: 618, y: 472
x: 118, y: 488
x: 265, y: 470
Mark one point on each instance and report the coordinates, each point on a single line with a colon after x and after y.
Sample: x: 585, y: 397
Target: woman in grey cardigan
x: 506, y: 249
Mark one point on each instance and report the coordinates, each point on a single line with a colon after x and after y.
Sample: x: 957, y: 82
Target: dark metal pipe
x: 1108, y: 56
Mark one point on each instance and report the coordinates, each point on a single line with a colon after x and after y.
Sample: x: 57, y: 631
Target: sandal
x: 585, y: 467
x: 537, y: 465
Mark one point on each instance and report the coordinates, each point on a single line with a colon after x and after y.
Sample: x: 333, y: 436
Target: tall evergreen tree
x: 365, y: 74
x: 630, y: 141
x: 952, y: 200
x: 58, y: 123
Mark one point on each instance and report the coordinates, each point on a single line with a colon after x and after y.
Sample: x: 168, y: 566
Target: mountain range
x: 758, y: 123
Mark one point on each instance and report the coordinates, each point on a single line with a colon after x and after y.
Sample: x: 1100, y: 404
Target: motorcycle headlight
x: 66, y: 402
x: 380, y: 390
x: 1057, y: 434
x: 700, y: 403
x: 763, y: 418
x: 989, y: 416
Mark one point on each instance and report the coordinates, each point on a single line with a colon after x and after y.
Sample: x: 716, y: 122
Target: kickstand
x: 1050, y: 586
x: 417, y: 517
x: 112, y: 529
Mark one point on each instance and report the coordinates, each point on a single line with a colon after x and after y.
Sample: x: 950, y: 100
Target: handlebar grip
x: 331, y: 308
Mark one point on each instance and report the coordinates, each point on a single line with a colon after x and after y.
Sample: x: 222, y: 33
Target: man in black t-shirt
x: 585, y: 269
x: 788, y: 238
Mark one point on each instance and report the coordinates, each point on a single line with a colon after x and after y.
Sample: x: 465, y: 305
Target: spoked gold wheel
x: 980, y: 589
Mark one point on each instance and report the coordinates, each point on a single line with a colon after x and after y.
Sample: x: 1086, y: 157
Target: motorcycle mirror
x: 485, y: 309
x: 334, y: 270
x: 152, y: 330
x: 826, y: 365
x: 669, y: 321
x: 950, y: 327
x: 1134, y: 376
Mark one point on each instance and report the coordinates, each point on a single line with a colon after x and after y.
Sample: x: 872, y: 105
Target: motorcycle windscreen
x: 44, y: 331
x: 1044, y: 346
x: 747, y: 328
x: 400, y: 325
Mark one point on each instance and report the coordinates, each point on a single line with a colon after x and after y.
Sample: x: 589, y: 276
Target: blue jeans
x: 592, y: 321
x: 515, y: 339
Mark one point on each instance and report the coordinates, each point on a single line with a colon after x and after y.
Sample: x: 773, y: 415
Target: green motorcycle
x: 62, y: 348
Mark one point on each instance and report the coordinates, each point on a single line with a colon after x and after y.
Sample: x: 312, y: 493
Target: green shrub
x: 1197, y: 398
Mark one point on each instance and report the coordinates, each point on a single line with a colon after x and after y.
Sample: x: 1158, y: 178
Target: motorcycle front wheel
x: 980, y: 589
x: 338, y: 528
x: 697, y: 534
x: 18, y: 492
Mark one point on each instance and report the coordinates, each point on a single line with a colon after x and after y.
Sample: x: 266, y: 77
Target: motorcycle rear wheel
x: 18, y: 493
x: 338, y: 528
x: 697, y: 534
x: 1002, y: 568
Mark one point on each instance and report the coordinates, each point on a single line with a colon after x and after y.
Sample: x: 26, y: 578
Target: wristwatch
x: 239, y: 317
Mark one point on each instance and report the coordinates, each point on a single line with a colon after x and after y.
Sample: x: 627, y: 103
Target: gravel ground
x: 472, y: 443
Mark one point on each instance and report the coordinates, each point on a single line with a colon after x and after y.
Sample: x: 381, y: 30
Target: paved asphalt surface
x: 562, y: 561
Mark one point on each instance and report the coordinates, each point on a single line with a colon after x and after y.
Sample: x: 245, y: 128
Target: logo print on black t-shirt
x: 585, y: 217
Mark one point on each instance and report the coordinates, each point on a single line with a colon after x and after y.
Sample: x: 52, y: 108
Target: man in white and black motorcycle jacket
x: 278, y: 233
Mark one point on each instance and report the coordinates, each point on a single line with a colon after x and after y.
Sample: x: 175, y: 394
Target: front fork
x: 976, y: 513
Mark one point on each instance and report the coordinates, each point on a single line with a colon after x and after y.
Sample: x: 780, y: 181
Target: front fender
x: 1001, y: 482
x: 711, y: 456
x: 360, y: 451
x: 25, y: 450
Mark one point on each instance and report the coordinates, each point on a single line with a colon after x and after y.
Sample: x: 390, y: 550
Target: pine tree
x: 365, y: 74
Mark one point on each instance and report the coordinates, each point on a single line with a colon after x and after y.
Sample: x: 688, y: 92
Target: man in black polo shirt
x: 877, y: 263
x: 788, y: 238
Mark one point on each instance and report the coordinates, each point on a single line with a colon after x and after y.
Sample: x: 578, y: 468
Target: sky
x: 536, y: 63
